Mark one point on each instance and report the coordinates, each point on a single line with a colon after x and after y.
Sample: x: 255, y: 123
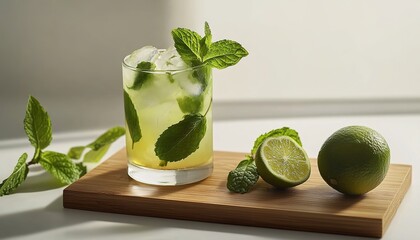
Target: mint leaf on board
x: 37, y: 124
x: 181, y: 139
x: 224, y: 53
x: 96, y: 155
x: 187, y: 44
x: 19, y: 174
x: 132, y: 119
x: 60, y: 166
x: 191, y: 104
x: 284, y: 131
x: 243, y: 177
x: 142, y: 76
x: 205, y: 42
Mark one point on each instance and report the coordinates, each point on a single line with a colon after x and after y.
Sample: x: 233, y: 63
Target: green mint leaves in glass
x: 168, y: 107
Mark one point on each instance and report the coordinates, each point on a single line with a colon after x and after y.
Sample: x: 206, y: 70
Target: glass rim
x: 189, y: 68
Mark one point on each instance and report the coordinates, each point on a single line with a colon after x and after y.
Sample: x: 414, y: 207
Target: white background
x: 337, y: 55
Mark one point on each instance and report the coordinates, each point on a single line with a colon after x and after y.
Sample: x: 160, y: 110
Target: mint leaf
x: 81, y: 168
x: 187, y: 44
x: 76, y: 152
x: 107, y: 138
x: 19, y: 174
x: 141, y: 76
x: 284, y: 131
x: 99, y: 146
x: 205, y: 42
x: 96, y: 155
x: 132, y: 119
x: 191, y: 104
x: 37, y: 124
x: 181, y: 139
x: 60, y: 166
x: 243, y: 177
x: 203, y: 75
x: 224, y: 53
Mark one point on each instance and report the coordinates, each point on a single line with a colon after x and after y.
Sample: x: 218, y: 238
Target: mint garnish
x: 187, y: 44
x: 38, y: 128
x: 19, y: 174
x: 224, y: 53
x: 205, y: 42
x: 245, y: 175
x: 132, y: 119
x: 142, y: 76
x: 181, y: 139
x: 196, y: 50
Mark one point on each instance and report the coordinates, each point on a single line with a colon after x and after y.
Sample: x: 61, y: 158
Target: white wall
x: 318, y: 49
x: 68, y: 54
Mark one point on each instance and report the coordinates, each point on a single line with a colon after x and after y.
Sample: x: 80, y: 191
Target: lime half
x: 282, y: 163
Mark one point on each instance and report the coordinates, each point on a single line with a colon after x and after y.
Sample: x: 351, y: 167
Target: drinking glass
x: 168, y: 113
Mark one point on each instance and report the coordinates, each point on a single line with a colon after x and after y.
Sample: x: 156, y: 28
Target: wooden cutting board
x: 312, y: 206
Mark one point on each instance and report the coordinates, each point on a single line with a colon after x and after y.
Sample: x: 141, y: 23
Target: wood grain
x: 312, y: 206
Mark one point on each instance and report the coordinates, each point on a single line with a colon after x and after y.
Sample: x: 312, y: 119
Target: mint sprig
x: 38, y: 128
x: 245, y: 175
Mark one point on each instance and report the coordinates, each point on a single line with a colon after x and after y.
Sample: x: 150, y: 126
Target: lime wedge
x: 282, y: 163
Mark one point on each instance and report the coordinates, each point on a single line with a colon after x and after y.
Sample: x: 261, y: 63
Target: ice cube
x: 189, y: 84
x: 144, y: 54
x: 169, y: 59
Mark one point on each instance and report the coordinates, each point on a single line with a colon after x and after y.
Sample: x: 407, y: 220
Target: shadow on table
x: 41, y: 181
x: 55, y: 217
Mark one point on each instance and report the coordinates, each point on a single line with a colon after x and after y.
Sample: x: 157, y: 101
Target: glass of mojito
x: 168, y: 107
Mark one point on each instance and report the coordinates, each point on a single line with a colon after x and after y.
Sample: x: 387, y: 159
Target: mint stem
x: 208, y: 108
x: 163, y: 163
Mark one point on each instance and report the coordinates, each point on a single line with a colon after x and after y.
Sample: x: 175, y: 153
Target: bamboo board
x: 312, y: 206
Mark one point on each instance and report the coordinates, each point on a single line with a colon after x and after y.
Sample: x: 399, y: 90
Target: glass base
x: 169, y: 177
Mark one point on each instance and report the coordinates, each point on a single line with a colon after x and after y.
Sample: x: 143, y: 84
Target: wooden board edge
x: 237, y: 215
x: 398, y: 198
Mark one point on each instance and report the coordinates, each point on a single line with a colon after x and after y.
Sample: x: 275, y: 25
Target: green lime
x: 354, y: 160
x: 281, y: 162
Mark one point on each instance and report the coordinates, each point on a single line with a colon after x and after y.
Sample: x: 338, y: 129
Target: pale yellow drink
x: 163, y: 99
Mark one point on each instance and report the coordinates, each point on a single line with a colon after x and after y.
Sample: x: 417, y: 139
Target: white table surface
x: 35, y: 210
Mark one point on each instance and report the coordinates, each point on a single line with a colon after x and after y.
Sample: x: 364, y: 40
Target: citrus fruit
x: 281, y: 162
x: 354, y: 160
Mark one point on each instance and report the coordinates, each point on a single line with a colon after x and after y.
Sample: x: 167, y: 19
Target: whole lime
x: 354, y: 160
